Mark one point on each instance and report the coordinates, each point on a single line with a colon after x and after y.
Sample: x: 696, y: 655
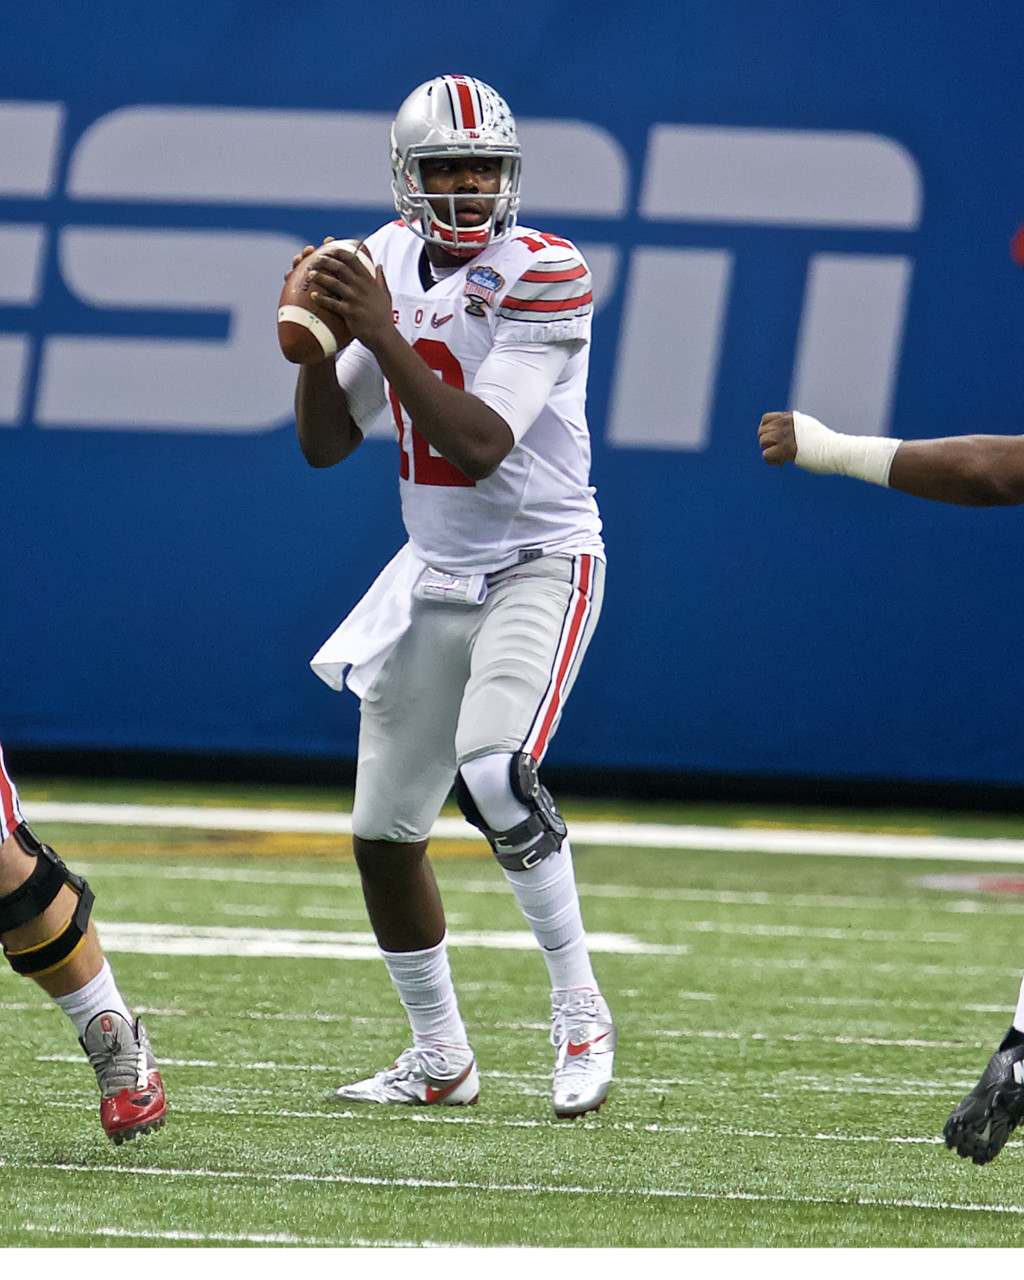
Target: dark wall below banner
x: 778, y: 211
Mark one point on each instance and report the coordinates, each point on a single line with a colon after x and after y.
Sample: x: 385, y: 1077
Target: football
x: 306, y: 332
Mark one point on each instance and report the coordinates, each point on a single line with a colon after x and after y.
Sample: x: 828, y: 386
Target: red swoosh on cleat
x: 438, y: 1095
x: 576, y: 1049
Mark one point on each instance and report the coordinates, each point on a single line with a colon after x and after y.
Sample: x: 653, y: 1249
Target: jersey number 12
x: 420, y: 463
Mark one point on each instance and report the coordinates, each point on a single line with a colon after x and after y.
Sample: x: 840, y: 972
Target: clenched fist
x: 777, y: 438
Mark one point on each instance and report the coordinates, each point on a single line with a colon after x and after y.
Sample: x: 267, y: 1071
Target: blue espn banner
x: 783, y: 205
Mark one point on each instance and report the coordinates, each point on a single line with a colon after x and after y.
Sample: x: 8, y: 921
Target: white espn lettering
x: 30, y: 138
x: 225, y: 155
x: 779, y: 177
x: 851, y: 334
x: 15, y: 356
x: 240, y: 384
x: 851, y: 327
x: 668, y: 355
x: 847, y: 356
x: 22, y: 250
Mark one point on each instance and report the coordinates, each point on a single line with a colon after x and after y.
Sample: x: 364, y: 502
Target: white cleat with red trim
x: 584, y: 1037
x: 420, y: 1078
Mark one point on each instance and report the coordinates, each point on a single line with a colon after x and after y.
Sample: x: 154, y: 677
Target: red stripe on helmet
x: 466, y: 104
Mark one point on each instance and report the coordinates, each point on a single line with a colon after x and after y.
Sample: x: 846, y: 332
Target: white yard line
x: 626, y: 834
x: 526, y: 1188
x: 151, y: 939
x: 434, y: 1117
x: 145, y: 869
x: 142, y: 938
x: 220, y: 1237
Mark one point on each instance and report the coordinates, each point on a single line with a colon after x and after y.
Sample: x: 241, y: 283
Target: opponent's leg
x: 47, y: 936
x: 501, y: 794
x: 979, y: 1125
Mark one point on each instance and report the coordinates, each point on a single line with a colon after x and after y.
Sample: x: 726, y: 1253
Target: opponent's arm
x: 457, y: 423
x: 973, y: 471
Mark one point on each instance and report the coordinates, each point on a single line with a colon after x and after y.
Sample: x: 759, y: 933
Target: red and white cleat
x: 131, y: 1092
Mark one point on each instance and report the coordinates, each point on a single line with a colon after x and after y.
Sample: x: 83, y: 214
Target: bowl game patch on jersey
x: 483, y: 284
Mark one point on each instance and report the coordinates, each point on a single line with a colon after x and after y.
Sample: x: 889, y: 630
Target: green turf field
x: 793, y: 1033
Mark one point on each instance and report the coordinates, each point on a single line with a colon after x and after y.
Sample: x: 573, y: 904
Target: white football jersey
x: 527, y: 289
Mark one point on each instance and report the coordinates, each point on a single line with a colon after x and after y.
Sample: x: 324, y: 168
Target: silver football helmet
x: 454, y: 116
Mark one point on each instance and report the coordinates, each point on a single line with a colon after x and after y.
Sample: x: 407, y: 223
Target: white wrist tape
x: 830, y: 453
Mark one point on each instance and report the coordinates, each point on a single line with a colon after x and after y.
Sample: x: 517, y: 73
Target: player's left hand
x: 342, y: 284
x: 305, y: 254
x: 777, y: 438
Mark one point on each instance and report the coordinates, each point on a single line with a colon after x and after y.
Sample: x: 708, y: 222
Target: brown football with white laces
x: 306, y: 332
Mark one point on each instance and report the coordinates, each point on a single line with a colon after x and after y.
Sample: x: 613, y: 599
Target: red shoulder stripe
x: 565, y: 304
x: 545, y: 277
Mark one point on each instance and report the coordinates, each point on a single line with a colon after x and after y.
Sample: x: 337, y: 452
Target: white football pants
x: 467, y: 680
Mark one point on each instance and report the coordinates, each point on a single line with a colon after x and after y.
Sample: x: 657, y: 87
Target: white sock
x: 423, y: 981
x: 546, y: 893
x: 548, y: 899
x: 99, y: 995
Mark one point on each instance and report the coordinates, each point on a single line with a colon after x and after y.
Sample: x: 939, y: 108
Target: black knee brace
x: 32, y: 898
x: 536, y: 837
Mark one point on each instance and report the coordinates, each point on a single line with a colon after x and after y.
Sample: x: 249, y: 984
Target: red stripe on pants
x: 575, y: 627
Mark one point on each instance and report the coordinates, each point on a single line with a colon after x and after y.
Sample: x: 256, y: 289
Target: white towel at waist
x: 357, y: 650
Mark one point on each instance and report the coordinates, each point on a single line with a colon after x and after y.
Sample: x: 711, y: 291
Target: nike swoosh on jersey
x: 437, y: 321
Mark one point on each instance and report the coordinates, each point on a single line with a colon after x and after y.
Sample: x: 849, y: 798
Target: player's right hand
x: 777, y: 438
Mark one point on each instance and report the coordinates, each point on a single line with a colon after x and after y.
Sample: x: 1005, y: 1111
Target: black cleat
x: 979, y: 1126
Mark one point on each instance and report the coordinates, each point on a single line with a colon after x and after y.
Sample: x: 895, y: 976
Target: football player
x: 47, y: 935
x: 474, y: 337
x: 973, y: 471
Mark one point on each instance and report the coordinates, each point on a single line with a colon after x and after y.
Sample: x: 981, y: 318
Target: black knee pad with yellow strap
x: 32, y: 898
